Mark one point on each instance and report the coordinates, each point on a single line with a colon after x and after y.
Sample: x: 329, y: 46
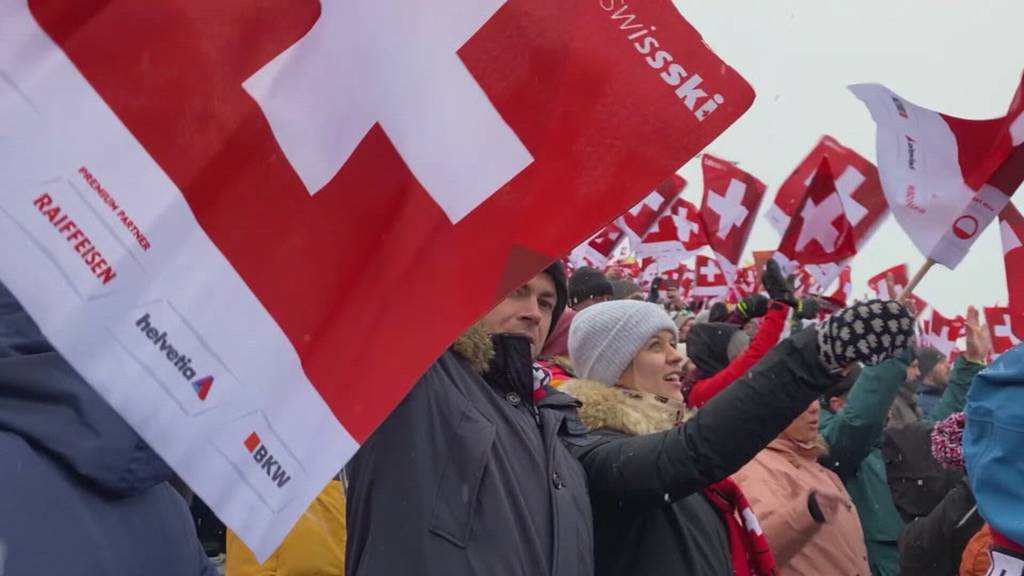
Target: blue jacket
x: 80, y: 492
x: 993, y: 441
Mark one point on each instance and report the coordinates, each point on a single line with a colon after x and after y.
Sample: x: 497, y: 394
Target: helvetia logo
x: 270, y: 465
x: 202, y: 386
x: 181, y: 362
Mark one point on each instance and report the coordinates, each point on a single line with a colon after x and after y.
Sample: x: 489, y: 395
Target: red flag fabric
x: 844, y: 290
x: 711, y: 281
x: 639, y: 220
x: 1000, y: 327
x: 819, y: 232
x: 731, y: 201
x: 901, y: 279
x: 856, y: 180
x: 945, y: 178
x: 677, y: 235
x: 1011, y: 228
x: 943, y: 333
x: 257, y: 172
x: 596, y: 250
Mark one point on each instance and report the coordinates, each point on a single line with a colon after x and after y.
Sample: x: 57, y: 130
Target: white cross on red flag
x: 819, y: 232
x: 1000, y: 326
x: 732, y: 198
x: 844, y: 289
x: 943, y: 333
x: 596, y: 250
x: 710, y: 280
x: 677, y: 235
x: 857, y: 182
x: 639, y: 219
x: 945, y: 178
x: 254, y: 173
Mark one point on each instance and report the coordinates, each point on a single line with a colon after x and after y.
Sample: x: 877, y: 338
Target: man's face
x: 526, y: 311
x: 913, y: 371
x: 939, y: 376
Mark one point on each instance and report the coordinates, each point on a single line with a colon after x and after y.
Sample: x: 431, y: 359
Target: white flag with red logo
x: 238, y: 180
x: 639, y: 219
x: 819, y: 232
x: 731, y: 201
x: 1011, y: 228
x: 1000, y: 327
x: 676, y: 236
x: 597, y: 249
x: 945, y: 178
x: 710, y: 280
x: 856, y: 181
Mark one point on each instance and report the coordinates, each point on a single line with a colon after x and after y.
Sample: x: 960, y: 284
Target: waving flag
x: 597, y: 249
x: 844, y: 290
x: 943, y: 333
x: 819, y: 232
x: 677, y: 235
x: 710, y: 280
x: 945, y: 178
x: 639, y: 220
x: 901, y: 279
x: 1000, y: 327
x: 731, y: 201
x: 857, y: 183
x: 237, y: 180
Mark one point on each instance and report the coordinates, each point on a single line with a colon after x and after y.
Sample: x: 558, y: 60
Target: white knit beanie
x: 605, y: 337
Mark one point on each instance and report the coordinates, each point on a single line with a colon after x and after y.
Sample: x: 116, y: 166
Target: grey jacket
x: 80, y: 492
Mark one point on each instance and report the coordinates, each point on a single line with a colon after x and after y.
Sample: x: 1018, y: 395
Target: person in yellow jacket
x: 316, y: 545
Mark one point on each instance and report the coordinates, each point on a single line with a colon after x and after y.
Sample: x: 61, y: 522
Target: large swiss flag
x: 820, y: 231
x: 328, y: 193
x: 732, y: 198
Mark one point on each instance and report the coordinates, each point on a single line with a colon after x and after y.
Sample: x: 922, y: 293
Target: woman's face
x: 656, y: 368
x: 805, y: 427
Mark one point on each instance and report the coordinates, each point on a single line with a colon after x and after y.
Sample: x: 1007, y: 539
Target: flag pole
x: 916, y: 280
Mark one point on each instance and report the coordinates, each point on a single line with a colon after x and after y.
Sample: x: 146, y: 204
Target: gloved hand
x: 776, y: 285
x: 808, y: 309
x: 753, y: 306
x: 868, y: 332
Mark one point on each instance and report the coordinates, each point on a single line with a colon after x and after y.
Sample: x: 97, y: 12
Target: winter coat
x: 82, y: 494
x: 904, y: 408
x: 975, y: 560
x: 315, y: 545
x: 469, y: 476
x: 633, y: 479
x: 778, y: 483
x: 917, y: 482
x: 954, y: 398
x: 853, y: 436
x: 652, y: 536
x: 934, y: 544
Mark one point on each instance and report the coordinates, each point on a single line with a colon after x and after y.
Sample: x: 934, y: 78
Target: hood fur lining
x: 476, y: 347
x: 626, y: 411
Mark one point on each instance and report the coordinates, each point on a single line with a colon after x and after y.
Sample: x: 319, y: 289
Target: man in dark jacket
x: 483, y: 468
x: 80, y: 492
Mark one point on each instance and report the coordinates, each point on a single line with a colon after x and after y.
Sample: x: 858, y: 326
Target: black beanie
x: 707, y: 346
x: 557, y: 273
x: 586, y: 283
x: 927, y: 358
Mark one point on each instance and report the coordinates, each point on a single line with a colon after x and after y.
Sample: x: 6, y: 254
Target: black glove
x: 775, y: 284
x: 868, y: 332
x: 808, y: 309
x: 753, y: 306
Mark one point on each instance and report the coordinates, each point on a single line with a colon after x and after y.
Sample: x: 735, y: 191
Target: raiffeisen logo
x: 181, y: 362
x: 270, y: 465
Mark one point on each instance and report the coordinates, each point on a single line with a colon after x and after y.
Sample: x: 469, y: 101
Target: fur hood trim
x: 627, y: 411
x: 476, y: 347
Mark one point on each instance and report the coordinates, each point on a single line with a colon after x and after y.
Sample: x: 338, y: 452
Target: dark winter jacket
x: 934, y: 544
x: 647, y: 517
x: 916, y: 481
x: 469, y: 476
x: 80, y: 493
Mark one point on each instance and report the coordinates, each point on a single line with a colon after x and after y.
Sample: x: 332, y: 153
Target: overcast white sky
x: 959, y: 58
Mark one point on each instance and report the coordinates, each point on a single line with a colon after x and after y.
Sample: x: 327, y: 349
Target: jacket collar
x: 503, y: 360
x: 627, y: 411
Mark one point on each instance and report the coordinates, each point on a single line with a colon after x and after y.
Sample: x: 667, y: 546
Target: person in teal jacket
x: 852, y: 425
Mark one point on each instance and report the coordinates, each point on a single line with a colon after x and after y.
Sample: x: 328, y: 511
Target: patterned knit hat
x: 947, y: 442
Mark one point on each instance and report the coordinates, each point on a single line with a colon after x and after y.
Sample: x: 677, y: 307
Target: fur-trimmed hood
x: 476, y: 347
x: 627, y: 411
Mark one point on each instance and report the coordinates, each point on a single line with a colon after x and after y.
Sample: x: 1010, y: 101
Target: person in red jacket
x: 708, y: 345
